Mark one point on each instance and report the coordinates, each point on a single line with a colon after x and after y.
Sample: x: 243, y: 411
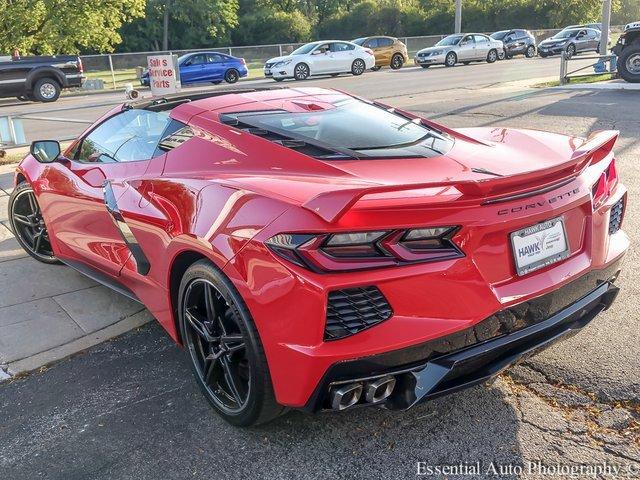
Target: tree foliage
x: 64, y: 26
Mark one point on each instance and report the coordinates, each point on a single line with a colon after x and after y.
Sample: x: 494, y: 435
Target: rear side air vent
x: 615, y: 217
x: 352, y: 310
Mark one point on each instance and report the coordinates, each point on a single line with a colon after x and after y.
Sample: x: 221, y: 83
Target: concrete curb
x: 61, y: 352
x: 600, y: 86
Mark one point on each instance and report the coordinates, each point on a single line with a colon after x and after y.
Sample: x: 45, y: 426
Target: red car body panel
x: 224, y: 192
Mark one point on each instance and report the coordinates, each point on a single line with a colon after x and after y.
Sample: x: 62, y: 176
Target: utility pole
x: 165, y: 26
x: 458, y: 23
x: 606, y: 23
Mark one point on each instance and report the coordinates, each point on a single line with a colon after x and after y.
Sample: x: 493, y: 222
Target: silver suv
x: 460, y: 48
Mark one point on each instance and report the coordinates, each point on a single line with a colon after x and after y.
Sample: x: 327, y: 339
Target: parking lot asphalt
x: 130, y: 409
x: 69, y: 116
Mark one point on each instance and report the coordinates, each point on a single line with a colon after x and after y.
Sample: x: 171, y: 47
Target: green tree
x: 64, y: 26
x: 191, y: 24
x: 266, y: 26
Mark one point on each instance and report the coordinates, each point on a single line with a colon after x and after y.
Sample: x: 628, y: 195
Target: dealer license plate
x: 539, y: 245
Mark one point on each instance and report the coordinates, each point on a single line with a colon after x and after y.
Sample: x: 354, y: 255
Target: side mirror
x: 45, y: 151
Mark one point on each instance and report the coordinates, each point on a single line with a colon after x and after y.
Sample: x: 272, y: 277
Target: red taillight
x: 362, y: 250
x: 369, y: 51
x: 605, y: 185
x: 243, y: 61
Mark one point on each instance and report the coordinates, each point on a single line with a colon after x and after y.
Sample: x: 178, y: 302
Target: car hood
x: 553, y: 41
x: 435, y: 49
x: 279, y: 59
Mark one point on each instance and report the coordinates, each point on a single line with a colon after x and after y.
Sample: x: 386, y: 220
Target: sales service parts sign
x: 163, y: 74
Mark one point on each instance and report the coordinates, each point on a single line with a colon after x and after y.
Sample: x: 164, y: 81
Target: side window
x: 214, y: 58
x: 322, y: 48
x: 468, y: 40
x: 174, y: 135
x: 480, y: 39
x: 386, y: 42
x: 198, y: 59
x: 373, y: 43
x: 341, y: 47
x: 129, y: 136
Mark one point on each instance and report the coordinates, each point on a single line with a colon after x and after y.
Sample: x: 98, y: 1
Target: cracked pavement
x: 129, y: 409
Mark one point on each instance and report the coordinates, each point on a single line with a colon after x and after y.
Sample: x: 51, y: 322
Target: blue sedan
x: 207, y: 67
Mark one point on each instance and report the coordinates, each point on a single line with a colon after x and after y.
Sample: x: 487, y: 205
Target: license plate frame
x: 546, y: 242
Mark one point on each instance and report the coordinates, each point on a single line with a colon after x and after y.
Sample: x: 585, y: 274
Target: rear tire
x: 231, y: 76
x: 236, y: 382
x: 531, y: 52
x: 397, y: 61
x: 278, y: 79
x: 46, y: 90
x: 466, y: 63
x: 358, y: 67
x: 451, y: 59
x: 425, y: 66
x: 629, y: 64
x: 492, y: 56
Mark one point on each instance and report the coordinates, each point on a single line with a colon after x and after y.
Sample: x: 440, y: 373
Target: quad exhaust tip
x: 374, y: 391
x: 346, y: 396
x: 378, y: 390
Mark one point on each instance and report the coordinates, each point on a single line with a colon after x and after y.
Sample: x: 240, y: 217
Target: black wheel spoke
x: 24, y: 220
x: 199, y: 327
x: 32, y: 202
x: 217, y: 345
x: 38, y: 242
x: 230, y: 378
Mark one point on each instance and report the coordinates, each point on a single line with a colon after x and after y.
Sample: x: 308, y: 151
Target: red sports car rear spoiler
x: 332, y: 205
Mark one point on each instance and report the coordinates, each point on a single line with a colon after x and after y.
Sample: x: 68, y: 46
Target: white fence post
x: 113, y: 75
x: 563, y: 68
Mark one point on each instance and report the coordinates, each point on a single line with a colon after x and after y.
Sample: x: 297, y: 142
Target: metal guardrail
x: 565, y: 74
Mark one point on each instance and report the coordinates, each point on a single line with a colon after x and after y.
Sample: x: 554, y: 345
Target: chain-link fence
x: 116, y: 70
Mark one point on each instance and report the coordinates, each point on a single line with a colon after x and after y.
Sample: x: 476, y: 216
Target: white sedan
x: 321, y: 58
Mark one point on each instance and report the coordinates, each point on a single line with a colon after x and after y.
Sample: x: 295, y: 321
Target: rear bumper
x: 468, y: 357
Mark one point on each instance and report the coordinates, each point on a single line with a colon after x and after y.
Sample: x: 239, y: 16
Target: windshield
x: 359, y: 41
x: 566, y: 34
x: 351, y: 124
x: 449, y: 41
x: 304, y: 49
x: 500, y: 35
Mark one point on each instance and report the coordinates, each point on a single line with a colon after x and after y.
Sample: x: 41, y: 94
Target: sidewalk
x: 48, y: 312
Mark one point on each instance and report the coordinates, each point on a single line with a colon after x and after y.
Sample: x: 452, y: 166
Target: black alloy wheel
x: 358, y: 67
x: 28, y: 224
x: 231, y: 76
x: 301, y: 72
x: 223, y: 345
x: 397, y: 61
x: 571, y: 50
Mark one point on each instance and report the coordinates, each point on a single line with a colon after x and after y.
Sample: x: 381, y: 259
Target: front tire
x: 220, y: 339
x: 629, y: 64
x: 28, y: 225
x: 46, y: 90
x: 502, y: 55
x: 425, y: 66
x: 570, y: 50
x: 531, y: 52
x: 231, y: 76
x: 492, y: 56
x: 451, y: 59
x: 301, y: 71
x: 397, y: 61
x: 358, y: 67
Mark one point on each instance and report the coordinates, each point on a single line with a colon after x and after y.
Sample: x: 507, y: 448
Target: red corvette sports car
x: 315, y: 250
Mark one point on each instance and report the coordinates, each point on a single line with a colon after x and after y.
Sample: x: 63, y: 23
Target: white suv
x: 321, y: 58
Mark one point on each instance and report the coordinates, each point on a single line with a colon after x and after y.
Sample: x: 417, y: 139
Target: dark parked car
x: 516, y: 42
x: 39, y: 78
x: 207, y: 67
x: 628, y: 51
x: 571, y: 41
